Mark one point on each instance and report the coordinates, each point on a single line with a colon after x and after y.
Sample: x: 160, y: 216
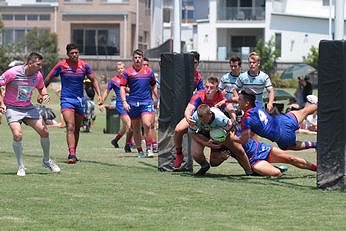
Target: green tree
x: 268, y: 54
x: 312, y: 57
x: 46, y: 43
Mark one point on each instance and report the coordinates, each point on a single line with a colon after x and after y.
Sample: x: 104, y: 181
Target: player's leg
x: 126, y: 124
x: 238, y: 153
x: 136, y: 129
x: 218, y: 156
x: 180, y: 130
x: 264, y: 168
x: 304, y: 112
x: 69, y: 117
x: 280, y: 156
x: 121, y: 131
x: 40, y: 127
x: 302, y: 145
x: 147, y: 119
x: 197, y: 152
x: 153, y: 135
x: 18, y: 146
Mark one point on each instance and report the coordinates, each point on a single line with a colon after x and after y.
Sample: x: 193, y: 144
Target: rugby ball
x: 218, y: 134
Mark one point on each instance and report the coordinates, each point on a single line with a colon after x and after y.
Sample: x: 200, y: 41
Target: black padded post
x: 176, y: 87
x: 331, y: 138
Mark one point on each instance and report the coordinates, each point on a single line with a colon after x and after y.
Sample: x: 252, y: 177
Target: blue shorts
x: 262, y: 153
x: 119, y: 107
x: 139, y: 108
x: 288, y: 127
x: 78, y: 105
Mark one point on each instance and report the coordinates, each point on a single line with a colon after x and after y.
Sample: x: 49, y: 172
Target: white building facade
x: 234, y: 27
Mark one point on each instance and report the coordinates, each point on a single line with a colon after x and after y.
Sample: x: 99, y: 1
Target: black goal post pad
x: 331, y: 137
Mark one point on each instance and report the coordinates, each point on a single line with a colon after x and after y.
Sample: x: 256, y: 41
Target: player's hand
x: 100, y: 100
x: 45, y: 98
x: 190, y: 121
x: 2, y: 109
x: 269, y: 107
x: 126, y: 106
x: 101, y: 107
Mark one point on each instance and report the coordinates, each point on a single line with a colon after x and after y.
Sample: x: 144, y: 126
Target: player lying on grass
x: 203, y: 120
x: 260, y: 155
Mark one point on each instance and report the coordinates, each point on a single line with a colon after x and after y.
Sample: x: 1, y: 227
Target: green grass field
x: 111, y: 190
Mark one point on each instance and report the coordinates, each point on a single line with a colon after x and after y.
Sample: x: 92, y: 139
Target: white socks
x: 45, y: 144
x: 18, y: 150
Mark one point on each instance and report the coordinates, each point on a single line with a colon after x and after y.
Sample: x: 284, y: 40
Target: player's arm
x: 43, y: 96
x: 188, y: 113
x: 104, y: 97
x: 201, y: 139
x: 271, y: 96
x: 48, y: 79
x: 154, y: 94
x: 123, y: 97
x: 235, y: 97
x: 2, y: 105
x: 244, y: 137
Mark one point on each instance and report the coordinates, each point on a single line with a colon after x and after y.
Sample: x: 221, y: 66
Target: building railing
x: 241, y: 13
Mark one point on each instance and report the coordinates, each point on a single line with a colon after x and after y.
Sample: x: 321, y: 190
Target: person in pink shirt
x: 20, y: 82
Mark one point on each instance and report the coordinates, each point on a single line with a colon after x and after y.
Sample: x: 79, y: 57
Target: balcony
x: 241, y: 13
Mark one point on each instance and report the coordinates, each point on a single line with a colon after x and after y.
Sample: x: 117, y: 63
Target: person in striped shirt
x: 257, y: 80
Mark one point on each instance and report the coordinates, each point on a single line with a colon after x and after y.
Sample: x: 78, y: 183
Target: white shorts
x: 17, y: 114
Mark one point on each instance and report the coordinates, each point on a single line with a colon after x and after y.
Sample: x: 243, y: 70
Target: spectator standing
x: 257, y: 80
x: 227, y: 81
x: 307, y: 89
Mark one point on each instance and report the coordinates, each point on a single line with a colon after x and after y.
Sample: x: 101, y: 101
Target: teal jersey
x: 227, y: 83
x: 257, y: 83
x: 219, y: 120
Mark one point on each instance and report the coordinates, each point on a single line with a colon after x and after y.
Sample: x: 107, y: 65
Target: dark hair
x: 33, y: 56
x: 70, y: 47
x: 145, y: 59
x: 195, y: 55
x: 249, y: 94
x: 138, y: 52
x: 235, y: 59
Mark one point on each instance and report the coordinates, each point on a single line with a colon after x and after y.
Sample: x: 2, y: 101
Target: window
x: 32, y: 17
x: 78, y: 1
x: 19, y: 17
x: 278, y: 42
x: 44, y: 17
x: 7, y: 17
x: 15, y: 36
x: 97, y: 41
x: 166, y: 15
x: 326, y: 2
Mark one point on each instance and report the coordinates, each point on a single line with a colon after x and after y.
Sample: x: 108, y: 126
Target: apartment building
x: 235, y: 26
x: 99, y: 27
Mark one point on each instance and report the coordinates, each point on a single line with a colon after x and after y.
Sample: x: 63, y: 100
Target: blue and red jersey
x: 261, y: 123
x: 200, y: 97
x: 114, y: 84
x: 198, y: 81
x: 139, y: 82
x: 72, y: 76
